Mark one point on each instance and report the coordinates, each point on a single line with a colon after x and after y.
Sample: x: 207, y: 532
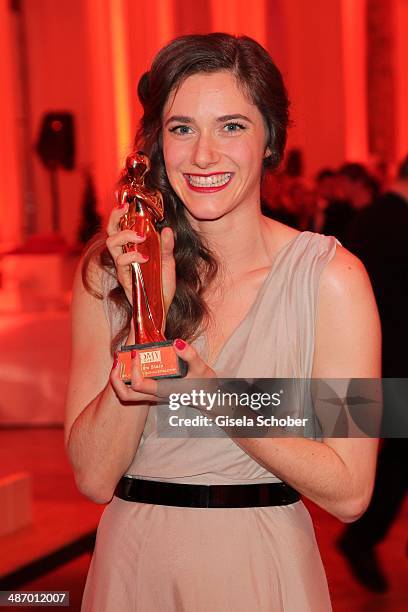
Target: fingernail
x: 180, y: 344
x: 133, y: 354
x: 115, y: 360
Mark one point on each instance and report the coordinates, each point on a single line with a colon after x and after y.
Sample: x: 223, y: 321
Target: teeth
x: 216, y: 180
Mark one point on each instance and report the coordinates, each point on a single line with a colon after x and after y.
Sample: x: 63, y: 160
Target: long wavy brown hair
x: 196, y: 266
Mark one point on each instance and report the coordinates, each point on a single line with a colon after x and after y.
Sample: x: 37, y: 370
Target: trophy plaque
x: 157, y: 357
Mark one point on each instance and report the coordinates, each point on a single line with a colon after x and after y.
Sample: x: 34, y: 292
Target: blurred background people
x: 382, y: 171
x: 329, y: 206
x: 357, y: 185
x: 379, y: 238
x: 336, y: 212
x: 358, y: 189
x: 286, y: 196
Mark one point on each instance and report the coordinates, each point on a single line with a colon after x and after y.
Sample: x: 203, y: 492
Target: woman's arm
x: 337, y: 474
x: 102, y: 433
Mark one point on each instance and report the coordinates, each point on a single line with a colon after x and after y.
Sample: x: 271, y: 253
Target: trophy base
x: 156, y: 360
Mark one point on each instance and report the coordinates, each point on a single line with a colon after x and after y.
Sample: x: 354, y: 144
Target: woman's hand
x: 142, y: 390
x: 117, y: 239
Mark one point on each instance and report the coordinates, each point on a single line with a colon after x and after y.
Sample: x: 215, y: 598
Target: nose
x: 204, y: 153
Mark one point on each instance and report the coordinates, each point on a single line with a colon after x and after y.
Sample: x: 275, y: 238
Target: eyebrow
x: 185, y: 119
x: 230, y: 117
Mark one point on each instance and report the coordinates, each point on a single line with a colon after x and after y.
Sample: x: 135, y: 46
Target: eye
x: 180, y: 129
x: 234, y: 127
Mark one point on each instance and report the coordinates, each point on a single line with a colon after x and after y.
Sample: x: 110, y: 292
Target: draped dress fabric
x: 150, y: 558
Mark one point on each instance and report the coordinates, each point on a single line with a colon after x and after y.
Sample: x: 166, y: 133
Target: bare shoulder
x: 345, y: 275
x: 91, y: 358
x: 89, y: 321
x: 92, y: 277
x: 348, y: 336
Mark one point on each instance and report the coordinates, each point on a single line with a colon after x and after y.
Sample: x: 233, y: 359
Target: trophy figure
x: 157, y: 357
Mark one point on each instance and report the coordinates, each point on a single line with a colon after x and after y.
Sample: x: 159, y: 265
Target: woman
x: 251, y: 298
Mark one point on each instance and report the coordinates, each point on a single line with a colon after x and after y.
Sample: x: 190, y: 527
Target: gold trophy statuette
x: 156, y: 355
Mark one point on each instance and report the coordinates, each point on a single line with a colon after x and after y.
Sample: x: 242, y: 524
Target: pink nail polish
x: 180, y: 344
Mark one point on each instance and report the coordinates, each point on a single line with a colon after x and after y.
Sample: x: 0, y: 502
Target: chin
x: 206, y: 213
x: 203, y: 207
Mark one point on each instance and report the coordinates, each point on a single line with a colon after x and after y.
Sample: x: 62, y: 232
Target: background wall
x: 86, y: 56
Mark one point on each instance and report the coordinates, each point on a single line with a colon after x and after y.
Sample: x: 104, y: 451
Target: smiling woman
x: 217, y: 524
x: 211, y: 152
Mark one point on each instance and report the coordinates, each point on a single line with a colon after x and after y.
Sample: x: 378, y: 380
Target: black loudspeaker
x: 56, y: 143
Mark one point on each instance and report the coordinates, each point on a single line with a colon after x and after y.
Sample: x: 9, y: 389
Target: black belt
x: 205, y: 496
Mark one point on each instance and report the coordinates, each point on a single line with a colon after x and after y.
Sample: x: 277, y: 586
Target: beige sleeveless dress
x: 151, y: 558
